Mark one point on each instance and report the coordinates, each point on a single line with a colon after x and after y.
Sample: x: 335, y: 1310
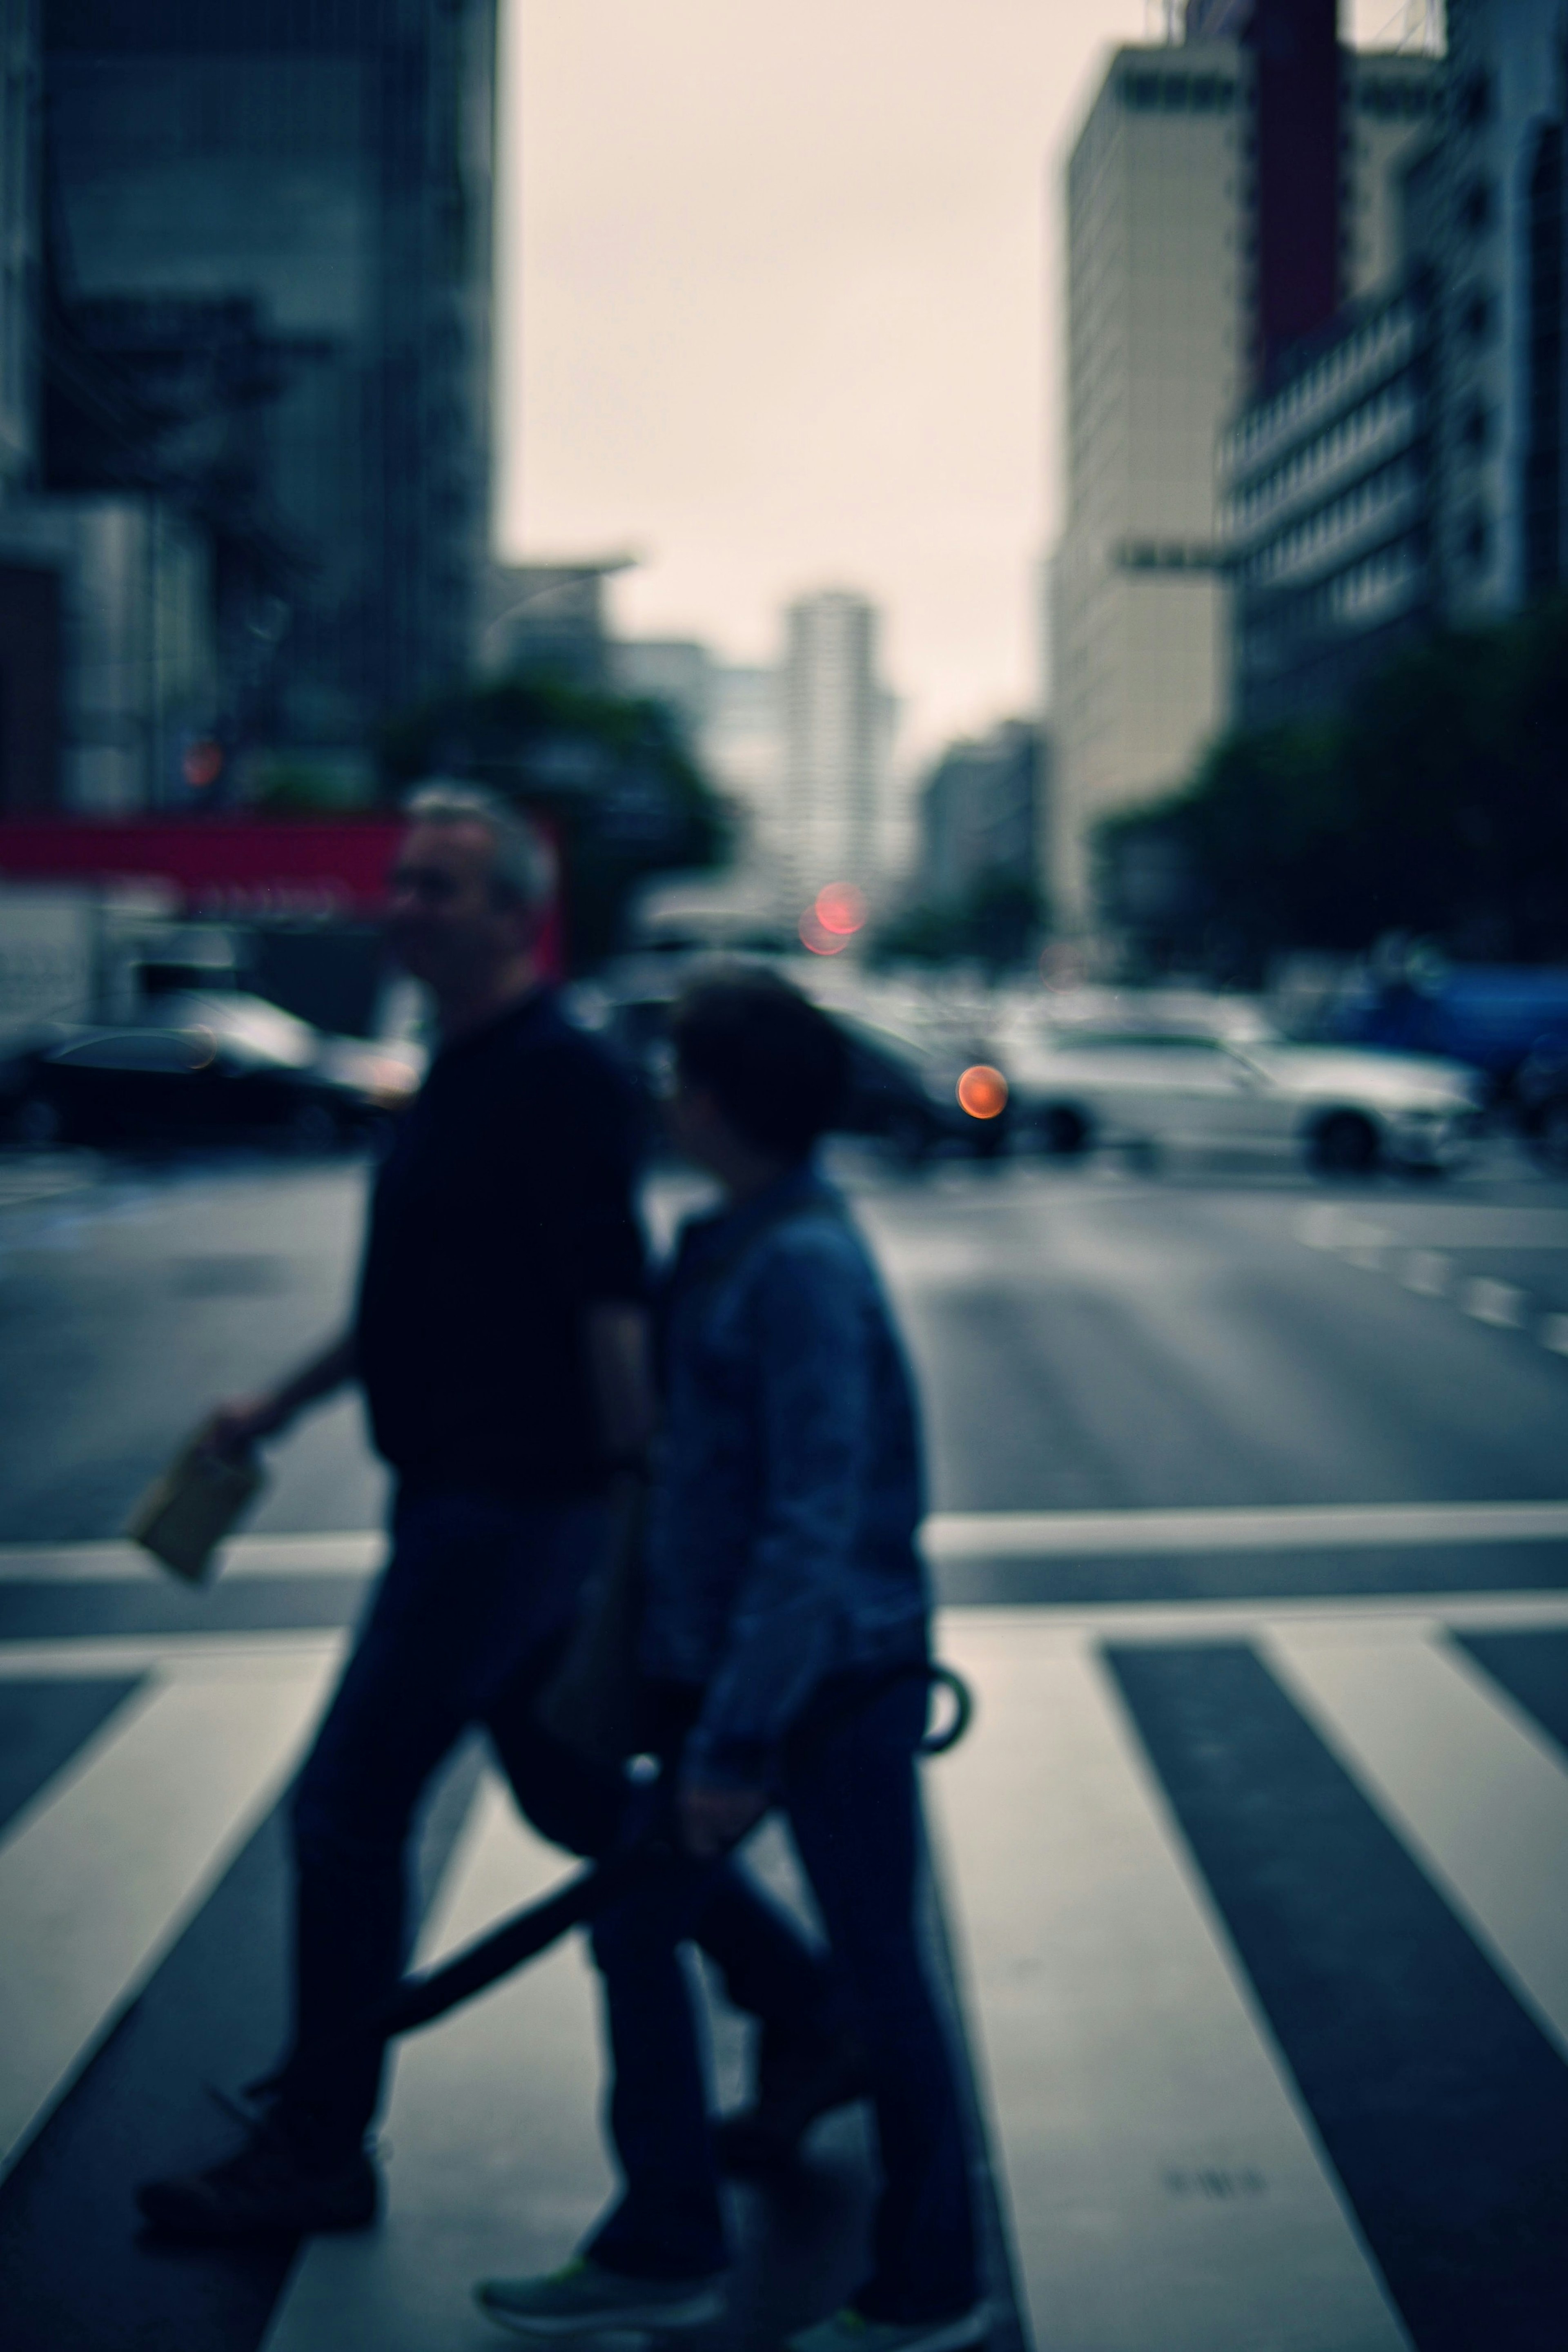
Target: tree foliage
x: 611, y: 775
x: 1436, y: 802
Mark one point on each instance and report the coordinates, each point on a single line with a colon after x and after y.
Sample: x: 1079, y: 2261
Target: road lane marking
x: 100, y: 1873
x: 1310, y: 1526
x: 1501, y: 1304
x: 1473, y: 1787
x: 1426, y: 1272
x: 119, y: 1562
x: 1138, y: 2101
x: 1429, y: 1273
x: 946, y: 1535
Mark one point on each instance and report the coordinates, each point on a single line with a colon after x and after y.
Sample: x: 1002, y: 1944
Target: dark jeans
x: 852, y: 1803
x: 467, y: 1626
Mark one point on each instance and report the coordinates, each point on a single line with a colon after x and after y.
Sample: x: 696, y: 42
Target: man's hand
x: 713, y: 1819
x: 242, y: 1423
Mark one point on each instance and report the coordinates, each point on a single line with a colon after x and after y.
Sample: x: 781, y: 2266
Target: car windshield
x: 251, y: 1026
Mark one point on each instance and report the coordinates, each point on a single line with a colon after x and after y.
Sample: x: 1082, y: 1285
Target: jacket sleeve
x: 813, y: 1355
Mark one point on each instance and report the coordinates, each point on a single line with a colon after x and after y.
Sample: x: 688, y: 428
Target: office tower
x: 978, y: 813
x: 19, y: 218
x: 1326, y: 477
x: 1187, y: 278
x: 835, y: 724
x: 1502, y: 204
x: 274, y: 225
x: 1156, y: 357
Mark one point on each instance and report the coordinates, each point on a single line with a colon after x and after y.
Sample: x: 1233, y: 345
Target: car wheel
x: 38, y: 1124
x: 312, y: 1128
x: 1065, y: 1132
x: 1551, y: 1137
x: 1344, y: 1144
x: 910, y: 1139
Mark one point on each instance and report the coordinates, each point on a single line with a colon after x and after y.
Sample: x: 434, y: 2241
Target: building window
x: 1478, y: 316
x: 1544, y: 450
x: 1478, y: 207
x: 1475, y: 431
x: 1473, y: 101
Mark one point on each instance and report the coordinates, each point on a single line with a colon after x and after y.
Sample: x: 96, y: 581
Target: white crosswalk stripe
x: 1163, y: 2180
x: 1472, y: 1785
x: 1127, y: 2068
x: 100, y: 1874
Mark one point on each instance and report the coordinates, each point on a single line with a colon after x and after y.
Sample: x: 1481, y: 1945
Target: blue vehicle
x: 1497, y: 1017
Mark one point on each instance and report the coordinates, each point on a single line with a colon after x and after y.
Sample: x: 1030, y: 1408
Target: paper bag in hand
x: 186, y: 1513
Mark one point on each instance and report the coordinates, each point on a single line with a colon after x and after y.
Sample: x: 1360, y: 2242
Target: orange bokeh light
x: 982, y: 1091
x: 821, y: 940
x: 203, y: 763
x: 841, y: 908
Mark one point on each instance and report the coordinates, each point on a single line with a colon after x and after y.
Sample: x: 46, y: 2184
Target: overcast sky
x: 779, y: 311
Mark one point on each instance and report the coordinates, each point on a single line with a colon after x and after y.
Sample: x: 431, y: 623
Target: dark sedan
x: 917, y: 1092
x: 203, y: 1081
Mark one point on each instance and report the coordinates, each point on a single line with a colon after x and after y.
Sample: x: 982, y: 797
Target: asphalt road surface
x: 1249, y: 1507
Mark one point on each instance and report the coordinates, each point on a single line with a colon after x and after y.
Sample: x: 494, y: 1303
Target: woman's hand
x: 712, y: 1818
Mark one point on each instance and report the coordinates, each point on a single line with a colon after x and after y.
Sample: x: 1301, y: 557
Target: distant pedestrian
x: 786, y: 1641
x: 500, y: 1339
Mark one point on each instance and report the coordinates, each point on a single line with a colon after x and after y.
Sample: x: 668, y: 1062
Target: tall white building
x: 835, y: 730
x: 1160, y: 286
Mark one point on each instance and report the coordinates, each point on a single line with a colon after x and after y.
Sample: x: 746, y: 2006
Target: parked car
x: 209, y: 1068
x: 913, y: 1086
x: 1540, y: 1095
x: 1344, y: 1109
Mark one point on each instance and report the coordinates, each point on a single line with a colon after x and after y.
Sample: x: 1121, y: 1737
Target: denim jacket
x: 781, y: 1544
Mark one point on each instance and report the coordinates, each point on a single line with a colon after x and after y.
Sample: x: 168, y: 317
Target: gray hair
x: 524, y: 865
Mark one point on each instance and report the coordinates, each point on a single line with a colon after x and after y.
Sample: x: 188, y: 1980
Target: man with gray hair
x: 500, y: 1339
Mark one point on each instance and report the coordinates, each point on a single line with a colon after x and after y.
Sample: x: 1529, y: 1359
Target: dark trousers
x: 467, y: 1626
x: 852, y: 1804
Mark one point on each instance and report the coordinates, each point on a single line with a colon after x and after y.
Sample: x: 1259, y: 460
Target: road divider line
x: 1310, y: 1527
x: 946, y: 1534
x: 1501, y: 1304
x: 1426, y: 1272
x: 118, y: 1563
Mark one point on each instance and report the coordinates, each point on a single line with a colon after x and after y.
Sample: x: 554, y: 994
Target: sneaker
x: 584, y: 2300
x: 272, y: 2188
x: 796, y: 2082
x: 849, y: 2331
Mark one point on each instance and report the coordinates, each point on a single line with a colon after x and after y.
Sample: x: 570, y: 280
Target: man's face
x: 445, y: 922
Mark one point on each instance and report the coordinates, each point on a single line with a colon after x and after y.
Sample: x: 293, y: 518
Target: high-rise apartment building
x: 1501, y: 203
x: 273, y: 220
x: 835, y: 726
x: 1189, y: 274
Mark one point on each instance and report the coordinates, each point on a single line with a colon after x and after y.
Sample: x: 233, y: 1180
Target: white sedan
x: 1346, y: 1109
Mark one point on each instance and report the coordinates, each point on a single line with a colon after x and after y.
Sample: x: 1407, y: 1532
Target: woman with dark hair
x: 785, y: 1640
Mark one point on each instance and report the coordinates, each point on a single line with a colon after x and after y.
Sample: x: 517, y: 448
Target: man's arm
x: 243, y: 1421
